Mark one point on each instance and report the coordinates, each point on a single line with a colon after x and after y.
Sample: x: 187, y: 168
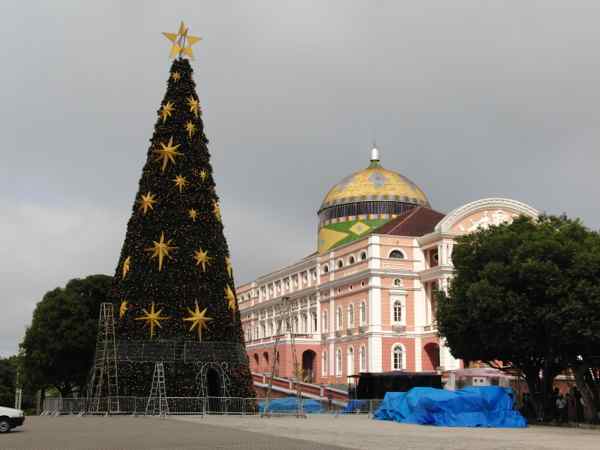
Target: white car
x: 10, y: 418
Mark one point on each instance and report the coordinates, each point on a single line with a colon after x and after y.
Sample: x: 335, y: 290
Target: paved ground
x: 129, y: 433
x: 278, y: 433
x: 360, y: 432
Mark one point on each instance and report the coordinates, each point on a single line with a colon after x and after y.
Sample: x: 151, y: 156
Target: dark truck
x: 375, y: 385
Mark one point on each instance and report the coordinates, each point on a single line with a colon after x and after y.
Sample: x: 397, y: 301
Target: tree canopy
x: 8, y: 374
x: 58, y: 347
x: 527, y: 294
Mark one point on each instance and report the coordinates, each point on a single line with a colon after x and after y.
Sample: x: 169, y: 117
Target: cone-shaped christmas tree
x: 173, y: 288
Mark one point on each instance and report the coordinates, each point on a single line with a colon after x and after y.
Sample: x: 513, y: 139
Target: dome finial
x: 374, y: 155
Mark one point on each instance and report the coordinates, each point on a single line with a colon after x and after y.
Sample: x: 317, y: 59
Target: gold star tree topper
x: 167, y: 153
x: 161, y: 249
x: 181, y: 42
x: 152, y: 318
x: 198, y: 319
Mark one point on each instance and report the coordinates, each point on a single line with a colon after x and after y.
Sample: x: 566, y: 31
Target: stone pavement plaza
x: 278, y: 433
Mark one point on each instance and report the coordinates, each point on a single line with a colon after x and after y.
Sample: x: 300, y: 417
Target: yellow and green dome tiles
x: 336, y: 234
x: 375, y: 183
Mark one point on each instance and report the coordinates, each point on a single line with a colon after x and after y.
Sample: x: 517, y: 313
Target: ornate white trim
x: 455, y: 216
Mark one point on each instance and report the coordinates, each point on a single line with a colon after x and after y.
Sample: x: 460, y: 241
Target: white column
x: 375, y: 345
x: 420, y: 304
x: 373, y: 253
x: 418, y: 354
x: 374, y: 304
x: 331, y: 358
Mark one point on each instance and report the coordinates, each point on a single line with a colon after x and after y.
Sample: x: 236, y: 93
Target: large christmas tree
x: 173, y: 288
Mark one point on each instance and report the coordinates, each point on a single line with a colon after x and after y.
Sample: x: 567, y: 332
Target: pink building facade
x: 364, y: 301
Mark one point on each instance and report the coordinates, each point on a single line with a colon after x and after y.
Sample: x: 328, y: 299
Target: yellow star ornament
x: 217, y: 211
x: 147, y: 202
x: 181, y: 42
x: 229, y: 266
x: 167, y: 153
x: 230, y: 297
x: 193, y: 214
x: 190, y: 128
x: 152, y: 318
x: 194, y: 105
x: 202, y: 259
x: 125, y: 268
x: 166, y: 111
x: 123, y: 308
x: 181, y: 182
x: 203, y: 174
x: 161, y: 249
x: 198, y: 320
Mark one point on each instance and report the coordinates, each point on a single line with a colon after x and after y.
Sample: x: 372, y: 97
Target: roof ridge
x: 411, y: 212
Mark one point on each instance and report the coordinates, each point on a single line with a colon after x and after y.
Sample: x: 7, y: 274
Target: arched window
x: 304, y: 323
x: 256, y: 360
x: 313, y: 319
x: 340, y: 264
x: 397, y: 254
x: 350, y: 362
x: 324, y: 364
x: 363, y: 359
x: 397, y: 311
x: 338, y: 318
x: 397, y: 282
x: 363, y: 256
x: 397, y: 357
x: 266, y: 357
x: 338, y: 362
x: 325, y: 322
x: 325, y: 268
x: 363, y: 313
x: 350, y: 316
x: 351, y: 260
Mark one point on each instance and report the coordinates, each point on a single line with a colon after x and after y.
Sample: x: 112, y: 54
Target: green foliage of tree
x: 527, y: 294
x: 8, y: 374
x: 58, y: 347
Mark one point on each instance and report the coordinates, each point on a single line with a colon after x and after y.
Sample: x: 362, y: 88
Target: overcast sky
x: 469, y: 99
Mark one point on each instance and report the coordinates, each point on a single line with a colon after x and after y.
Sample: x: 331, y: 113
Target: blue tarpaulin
x: 290, y: 405
x: 488, y: 406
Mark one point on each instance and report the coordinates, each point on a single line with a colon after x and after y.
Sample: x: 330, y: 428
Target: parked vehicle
x: 10, y: 418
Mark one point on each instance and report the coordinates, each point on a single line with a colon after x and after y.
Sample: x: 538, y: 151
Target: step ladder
x: 157, y: 401
x: 104, y: 378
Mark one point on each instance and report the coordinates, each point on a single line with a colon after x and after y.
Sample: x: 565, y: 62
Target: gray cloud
x: 468, y: 99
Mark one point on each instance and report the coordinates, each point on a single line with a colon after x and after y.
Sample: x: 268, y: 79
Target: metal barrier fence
x: 201, y: 406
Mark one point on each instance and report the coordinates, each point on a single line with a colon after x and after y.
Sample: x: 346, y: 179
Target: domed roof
x: 374, y: 184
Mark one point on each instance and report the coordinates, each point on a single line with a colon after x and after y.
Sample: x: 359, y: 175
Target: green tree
x: 8, y: 374
x: 524, y: 294
x: 58, y: 347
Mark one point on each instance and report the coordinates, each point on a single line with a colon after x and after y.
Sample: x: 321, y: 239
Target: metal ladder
x: 157, y: 402
x: 105, y: 363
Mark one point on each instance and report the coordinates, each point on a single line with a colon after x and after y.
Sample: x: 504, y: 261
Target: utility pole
x: 18, y: 390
